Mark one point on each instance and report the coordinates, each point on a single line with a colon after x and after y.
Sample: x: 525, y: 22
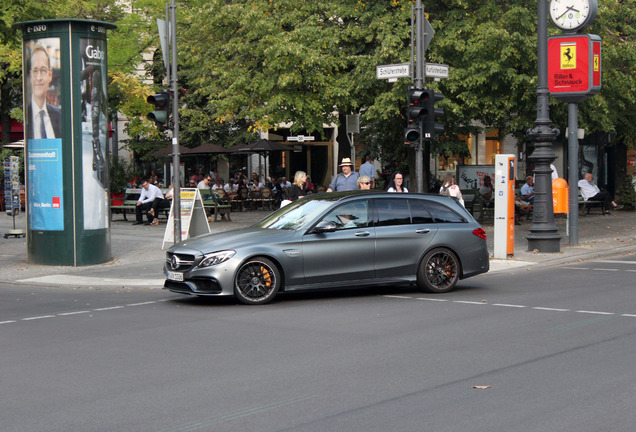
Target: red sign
x: 574, y: 66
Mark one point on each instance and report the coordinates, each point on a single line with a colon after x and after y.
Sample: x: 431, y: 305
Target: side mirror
x: 323, y: 226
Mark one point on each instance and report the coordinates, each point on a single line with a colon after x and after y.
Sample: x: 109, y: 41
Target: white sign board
x: 395, y: 71
x: 194, y: 222
x: 436, y: 70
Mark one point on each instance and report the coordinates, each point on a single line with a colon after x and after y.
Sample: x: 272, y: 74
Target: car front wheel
x: 257, y: 281
x: 438, y: 272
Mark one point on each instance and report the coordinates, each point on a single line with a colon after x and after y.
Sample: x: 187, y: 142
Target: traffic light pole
x: 176, y: 201
x: 420, y: 52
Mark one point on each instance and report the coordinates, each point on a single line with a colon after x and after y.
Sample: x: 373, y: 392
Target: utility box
x: 560, y: 191
x: 66, y: 129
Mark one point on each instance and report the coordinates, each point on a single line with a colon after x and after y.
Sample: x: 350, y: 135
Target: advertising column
x: 66, y: 131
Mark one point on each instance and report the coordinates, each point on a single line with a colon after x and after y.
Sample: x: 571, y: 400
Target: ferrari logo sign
x: 574, y: 66
x: 568, y: 55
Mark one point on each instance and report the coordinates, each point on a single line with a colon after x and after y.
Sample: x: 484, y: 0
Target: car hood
x: 233, y: 239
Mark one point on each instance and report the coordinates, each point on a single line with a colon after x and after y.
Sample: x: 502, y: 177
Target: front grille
x: 195, y: 286
x: 179, y: 262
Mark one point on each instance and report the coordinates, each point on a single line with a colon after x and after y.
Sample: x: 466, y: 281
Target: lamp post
x: 543, y: 236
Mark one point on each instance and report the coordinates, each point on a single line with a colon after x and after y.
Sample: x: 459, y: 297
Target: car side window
x: 350, y: 215
x: 393, y: 211
x: 442, y: 214
x: 419, y: 212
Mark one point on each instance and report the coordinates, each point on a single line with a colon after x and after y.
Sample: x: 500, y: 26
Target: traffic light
x: 161, y: 114
x: 430, y: 114
x: 414, y: 112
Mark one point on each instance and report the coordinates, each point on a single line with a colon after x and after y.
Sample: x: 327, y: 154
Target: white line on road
x: 398, y: 297
x: 431, y: 299
x: 141, y: 304
x: 625, y: 315
x: 38, y: 317
x: 6, y: 322
x: 509, y: 305
x: 73, y: 313
x: 605, y: 269
x: 595, y: 312
x: 550, y: 309
x: 469, y: 302
x: 109, y: 308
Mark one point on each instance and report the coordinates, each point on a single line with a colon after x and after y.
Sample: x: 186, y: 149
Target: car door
x: 404, y: 229
x: 346, y: 254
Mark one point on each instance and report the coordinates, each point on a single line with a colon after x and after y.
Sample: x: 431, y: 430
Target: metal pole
x: 573, y: 172
x: 419, y: 66
x: 175, y: 137
x: 543, y: 236
x: 166, y: 55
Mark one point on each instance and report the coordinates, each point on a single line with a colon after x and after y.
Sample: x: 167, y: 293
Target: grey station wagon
x: 335, y: 240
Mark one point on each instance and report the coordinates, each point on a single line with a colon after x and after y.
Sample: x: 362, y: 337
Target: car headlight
x: 215, y: 258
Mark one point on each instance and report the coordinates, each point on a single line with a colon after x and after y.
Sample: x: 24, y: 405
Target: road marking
x: 509, y: 305
x: 73, y: 313
x: 619, y: 262
x: 604, y: 269
x: 631, y: 270
x: 431, y: 299
x: 109, y: 308
x: 468, y: 302
x: 6, y: 322
x: 629, y: 315
x: 595, y: 312
x: 576, y: 268
x: 397, y: 297
x: 550, y: 309
x: 141, y: 304
x: 38, y: 317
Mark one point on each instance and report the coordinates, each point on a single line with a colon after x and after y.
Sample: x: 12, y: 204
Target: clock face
x: 571, y: 15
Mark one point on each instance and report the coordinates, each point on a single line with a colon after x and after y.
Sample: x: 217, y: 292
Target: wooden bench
x: 211, y: 202
x: 586, y: 206
x: 123, y: 208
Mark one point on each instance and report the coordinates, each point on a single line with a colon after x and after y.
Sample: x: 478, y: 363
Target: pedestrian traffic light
x: 161, y: 114
x: 430, y: 114
x: 414, y: 111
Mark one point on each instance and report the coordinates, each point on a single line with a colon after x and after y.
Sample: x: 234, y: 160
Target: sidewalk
x: 138, y: 259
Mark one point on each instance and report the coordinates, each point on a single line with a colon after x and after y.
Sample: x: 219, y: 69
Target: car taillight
x: 479, y: 232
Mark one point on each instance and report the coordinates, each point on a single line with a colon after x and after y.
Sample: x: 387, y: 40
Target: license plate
x: 175, y: 276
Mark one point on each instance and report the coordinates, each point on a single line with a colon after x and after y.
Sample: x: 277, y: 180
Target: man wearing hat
x: 346, y: 180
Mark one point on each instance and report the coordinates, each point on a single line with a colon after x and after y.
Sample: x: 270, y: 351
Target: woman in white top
x: 395, y: 185
x: 449, y: 188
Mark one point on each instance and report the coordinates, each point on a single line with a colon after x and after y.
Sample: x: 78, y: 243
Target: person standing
x: 149, y: 193
x: 297, y: 189
x: 346, y: 180
x: 589, y: 191
x: 396, y: 184
x: 45, y: 120
x: 450, y: 189
x: 364, y: 183
x: 368, y: 169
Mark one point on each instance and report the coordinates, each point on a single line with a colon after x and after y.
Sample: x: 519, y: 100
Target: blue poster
x: 46, y: 191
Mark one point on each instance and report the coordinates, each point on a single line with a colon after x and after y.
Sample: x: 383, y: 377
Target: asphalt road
x: 532, y: 350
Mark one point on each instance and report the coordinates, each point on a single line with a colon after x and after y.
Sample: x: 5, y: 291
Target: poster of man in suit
x: 43, y: 118
x: 44, y: 114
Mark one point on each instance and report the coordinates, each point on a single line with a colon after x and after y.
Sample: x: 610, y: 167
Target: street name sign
x: 391, y: 72
x: 436, y: 70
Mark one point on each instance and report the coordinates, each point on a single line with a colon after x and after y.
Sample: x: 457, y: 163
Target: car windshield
x: 295, y: 215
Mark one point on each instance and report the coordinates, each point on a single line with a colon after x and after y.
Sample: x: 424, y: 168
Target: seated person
x: 486, y: 192
x: 522, y: 208
x: 527, y: 190
x: 589, y: 191
x: 149, y: 193
x: 162, y: 203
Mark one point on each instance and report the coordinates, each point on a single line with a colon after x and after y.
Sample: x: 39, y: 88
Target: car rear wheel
x: 439, y: 271
x: 257, y: 281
